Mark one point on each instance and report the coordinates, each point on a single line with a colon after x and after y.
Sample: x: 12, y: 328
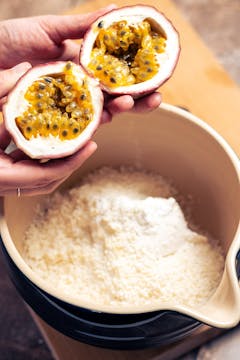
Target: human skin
x: 24, y: 43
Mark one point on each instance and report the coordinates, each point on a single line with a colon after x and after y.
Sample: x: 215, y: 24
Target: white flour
x: 121, y: 238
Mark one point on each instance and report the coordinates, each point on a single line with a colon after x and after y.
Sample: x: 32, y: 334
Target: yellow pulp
x: 125, y: 54
x: 58, y: 106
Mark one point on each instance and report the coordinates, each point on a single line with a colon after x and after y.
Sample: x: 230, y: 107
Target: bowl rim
x: 230, y: 261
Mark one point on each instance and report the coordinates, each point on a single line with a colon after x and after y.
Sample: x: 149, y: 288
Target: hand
x: 112, y: 105
x: 42, y: 39
x: 27, y: 42
x: 17, y: 171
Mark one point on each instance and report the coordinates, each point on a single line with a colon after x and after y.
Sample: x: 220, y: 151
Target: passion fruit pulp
x: 131, y: 50
x: 53, y: 110
x: 124, y: 54
x: 58, y: 105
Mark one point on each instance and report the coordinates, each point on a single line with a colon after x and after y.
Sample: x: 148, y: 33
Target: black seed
x: 146, y: 62
x: 55, y: 127
x: 99, y: 67
x: 75, y: 130
x: 149, y: 70
x: 83, y: 97
x: 105, y: 37
x: 113, y: 80
x: 105, y: 73
x: 39, y: 104
x: 156, y: 47
x: 122, y: 33
x: 100, y: 25
x: 123, y: 43
x: 68, y: 66
x: 39, y: 95
x: 41, y: 86
x: 47, y: 80
x: 28, y: 129
x: 64, y: 133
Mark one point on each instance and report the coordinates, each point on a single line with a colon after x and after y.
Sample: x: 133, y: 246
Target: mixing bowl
x: 204, y: 168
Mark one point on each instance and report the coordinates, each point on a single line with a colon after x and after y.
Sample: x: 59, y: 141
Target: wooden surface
x: 201, y: 85
x: 199, y: 82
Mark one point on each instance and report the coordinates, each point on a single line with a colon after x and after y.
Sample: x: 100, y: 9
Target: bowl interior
x: 171, y: 142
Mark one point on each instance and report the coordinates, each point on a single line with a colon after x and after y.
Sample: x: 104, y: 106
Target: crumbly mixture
x: 120, y: 238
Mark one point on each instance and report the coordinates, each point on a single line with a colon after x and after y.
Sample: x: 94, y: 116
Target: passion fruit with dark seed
x: 53, y: 110
x: 131, y: 50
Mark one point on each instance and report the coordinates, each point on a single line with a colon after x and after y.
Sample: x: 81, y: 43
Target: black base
x: 114, y: 331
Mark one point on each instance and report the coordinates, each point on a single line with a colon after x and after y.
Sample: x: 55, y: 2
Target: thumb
x: 9, y: 77
x: 62, y: 27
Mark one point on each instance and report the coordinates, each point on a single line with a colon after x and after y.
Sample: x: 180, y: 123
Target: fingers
x: 64, y: 27
x: 147, y: 103
x: 32, y: 191
x: 47, y: 189
x: 33, y: 178
x: 126, y: 103
x: 106, y: 117
x: 119, y: 104
x: 67, y: 165
x: 9, y: 77
x: 30, y: 173
x: 69, y: 51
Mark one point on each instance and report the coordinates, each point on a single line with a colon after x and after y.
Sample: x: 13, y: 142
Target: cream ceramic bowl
x: 201, y: 164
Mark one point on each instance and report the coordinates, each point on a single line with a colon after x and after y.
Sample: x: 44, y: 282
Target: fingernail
x: 93, y: 146
x: 22, y: 67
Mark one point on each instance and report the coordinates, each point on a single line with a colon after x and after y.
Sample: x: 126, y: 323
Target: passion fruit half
x: 53, y: 110
x: 131, y: 50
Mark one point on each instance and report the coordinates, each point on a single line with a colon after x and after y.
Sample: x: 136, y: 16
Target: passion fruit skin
x: 142, y: 12
x: 49, y: 147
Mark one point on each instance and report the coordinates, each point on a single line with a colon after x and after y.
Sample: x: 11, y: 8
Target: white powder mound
x: 121, y: 238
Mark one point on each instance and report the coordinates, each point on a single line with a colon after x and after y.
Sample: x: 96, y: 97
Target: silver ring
x: 18, y: 192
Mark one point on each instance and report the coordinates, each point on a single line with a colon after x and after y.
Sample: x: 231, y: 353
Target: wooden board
x: 199, y: 82
x: 201, y: 85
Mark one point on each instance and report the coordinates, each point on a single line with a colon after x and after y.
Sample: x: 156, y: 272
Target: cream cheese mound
x: 121, y: 238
